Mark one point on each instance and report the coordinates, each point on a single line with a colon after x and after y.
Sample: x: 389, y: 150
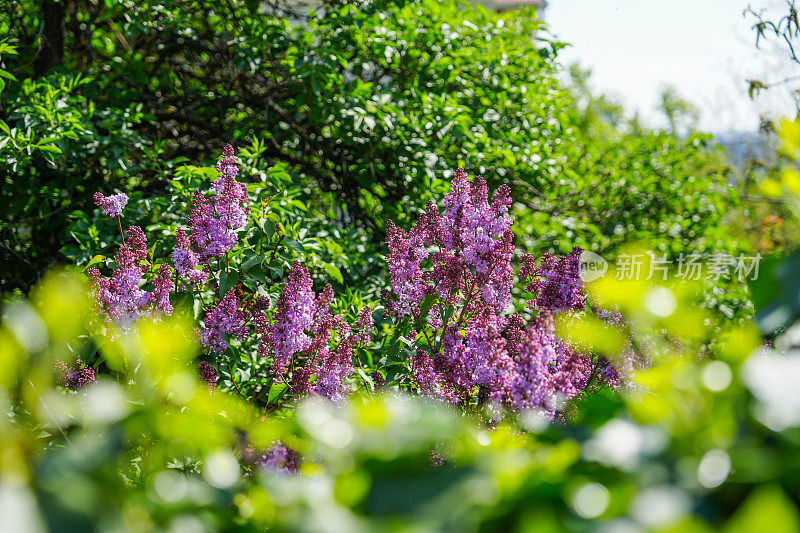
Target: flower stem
x: 122, y: 233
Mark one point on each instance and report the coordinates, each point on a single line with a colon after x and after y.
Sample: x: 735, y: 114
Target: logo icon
x: 592, y: 266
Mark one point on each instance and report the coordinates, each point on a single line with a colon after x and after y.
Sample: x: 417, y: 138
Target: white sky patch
x: 706, y: 49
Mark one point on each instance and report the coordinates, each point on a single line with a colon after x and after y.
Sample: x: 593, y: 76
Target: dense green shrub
x: 56, y: 146
x: 370, y: 104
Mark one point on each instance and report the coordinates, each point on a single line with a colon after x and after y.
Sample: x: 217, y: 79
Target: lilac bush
x: 474, y: 317
x: 452, y: 274
x: 299, y: 346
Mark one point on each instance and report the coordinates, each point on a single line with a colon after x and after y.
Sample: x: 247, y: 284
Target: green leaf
x: 366, y: 378
x: 766, y: 509
x: 226, y: 281
x: 252, y: 262
x: 257, y: 273
x: 182, y: 299
x: 94, y: 260
x: 426, y: 304
x: 334, y: 272
x: 269, y: 228
x: 278, y: 271
x: 776, y: 293
x: 296, y: 245
x: 49, y: 148
x: 393, y: 351
x: 275, y: 392
x: 448, y: 314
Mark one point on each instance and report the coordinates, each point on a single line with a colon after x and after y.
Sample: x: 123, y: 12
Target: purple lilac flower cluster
x: 111, y: 205
x: 277, y: 459
x: 230, y: 199
x: 556, y: 281
x: 121, y: 295
x: 474, y: 247
x: 207, y: 373
x: 469, y: 347
x: 74, y: 378
x: 214, y: 222
x: 294, y: 315
x: 186, y: 261
x: 544, y: 367
x: 223, y: 319
x: 301, y: 335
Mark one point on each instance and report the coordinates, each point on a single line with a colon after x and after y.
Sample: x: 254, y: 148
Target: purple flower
x: 111, y: 205
x: 542, y: 367
x: 207, y: 372
x: 214, y: 223
x: 278, y: 459
x: 470, y: 350
x: 223, y: 319
x: 556, y: 281
x: 293, y: 315
x: 429, y: 381
x: 301, y: 381
x: 476, y: 355
x: 332, y: 370
x: 475, y: 246
x: 364, y: 327
x: 74, y: 378
x: 186, y: 261
x: 478, y: 233
x: 230, y: 200
x: 162, y: 287
x: 435, y: 459
x: 121, y: 296
x: 301, y: 339
x: 209, y: 234
x: 137, y: 245
x: 405, y: 272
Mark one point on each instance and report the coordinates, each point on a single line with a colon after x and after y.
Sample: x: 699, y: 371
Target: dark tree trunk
x: 51, y: 38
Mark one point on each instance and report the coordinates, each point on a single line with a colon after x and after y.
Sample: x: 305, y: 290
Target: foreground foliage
x: 150, y: 447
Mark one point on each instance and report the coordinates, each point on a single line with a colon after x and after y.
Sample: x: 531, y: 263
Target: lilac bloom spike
x: 223, y: 319
x: 111, y: 206
x: 293, y: 316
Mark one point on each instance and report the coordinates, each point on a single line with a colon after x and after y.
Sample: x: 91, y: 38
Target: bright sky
x: 703, y: 47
